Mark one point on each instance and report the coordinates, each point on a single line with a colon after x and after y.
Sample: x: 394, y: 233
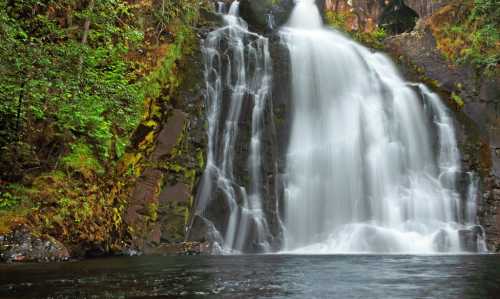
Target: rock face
x: 265, y: 15
x: 22, y: 246
x: 425, y: 8
x: 469, y: 238
x: 363, y: 15
x: 161, y: 199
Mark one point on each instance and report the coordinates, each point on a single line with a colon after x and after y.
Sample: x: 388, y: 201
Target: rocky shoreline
x: 23, y: 246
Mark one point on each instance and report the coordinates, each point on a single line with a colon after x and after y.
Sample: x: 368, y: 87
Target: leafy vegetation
x: 469, y: 32
x: 77, y: 78
x: 340, y: 21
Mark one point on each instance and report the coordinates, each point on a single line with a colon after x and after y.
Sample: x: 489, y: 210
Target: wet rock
x: 127, y: 250
x: 174, y: 204
x: 469, y: 238
x: 441, y: 241
x: 182, y: 248
x: 23, y: 246
x: 258, y: 12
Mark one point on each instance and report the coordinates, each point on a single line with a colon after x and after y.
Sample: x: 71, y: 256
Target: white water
x: 372, y: 161
x: 237, y: 70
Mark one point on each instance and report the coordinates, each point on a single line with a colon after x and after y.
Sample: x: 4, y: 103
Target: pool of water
x: 258, y: 276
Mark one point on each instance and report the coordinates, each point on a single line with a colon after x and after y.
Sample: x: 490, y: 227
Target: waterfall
x: 237, y: 73
x: 371, y: 164
x: 372, y: 161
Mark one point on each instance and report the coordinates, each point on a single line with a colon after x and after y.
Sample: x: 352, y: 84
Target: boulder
x: 23, y: 246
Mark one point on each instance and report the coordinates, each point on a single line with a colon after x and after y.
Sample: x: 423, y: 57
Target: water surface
x: 258, y: 276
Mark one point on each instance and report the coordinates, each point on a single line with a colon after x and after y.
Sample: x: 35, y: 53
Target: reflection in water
x: 263, y: 276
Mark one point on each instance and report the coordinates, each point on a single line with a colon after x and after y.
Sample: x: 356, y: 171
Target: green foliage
x: 54, y: 70
x: 471, y: 34
x: 170, y: 11
x: 7, y: 201
x: 372, y: 39
x: 11, y: 196
x: 75, y: 76
x: 82, y: 159
x: 337, y: 20
x: 49, y: 73
x: 457, y: 99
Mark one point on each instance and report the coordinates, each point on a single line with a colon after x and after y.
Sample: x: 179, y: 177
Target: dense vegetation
x: 468, y: 32
x: 75, y: 78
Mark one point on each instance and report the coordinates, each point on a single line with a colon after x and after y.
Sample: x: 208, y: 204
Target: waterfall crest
x: 372, y: 161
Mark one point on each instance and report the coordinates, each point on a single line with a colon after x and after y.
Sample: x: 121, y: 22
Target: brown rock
x: 178, y: 193
x: 169, y: 135
x: 425, y: 8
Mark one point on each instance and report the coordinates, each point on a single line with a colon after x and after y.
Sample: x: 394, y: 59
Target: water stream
x: 237, y: 71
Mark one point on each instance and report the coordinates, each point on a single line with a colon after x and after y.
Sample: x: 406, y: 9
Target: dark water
x: 270, y: 276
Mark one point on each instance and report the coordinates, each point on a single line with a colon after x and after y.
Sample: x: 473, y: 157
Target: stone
x: 469, y: 238
x: 181, y: 248
x: 426, y: 8
x: 177, y: 193
x: 169, y: 135
x: 257, y: 13
x: 23, y: 246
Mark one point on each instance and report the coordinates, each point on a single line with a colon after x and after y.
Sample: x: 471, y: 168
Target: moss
x: 467, y: 32
x: 82, y: 159
x: 458, y: 100
x: 153, y: 211
x: 200, y: 157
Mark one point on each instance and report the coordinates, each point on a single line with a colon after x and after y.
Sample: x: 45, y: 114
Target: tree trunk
x: 86, y: 29
x: 86, y: 25
x: 19, y: 110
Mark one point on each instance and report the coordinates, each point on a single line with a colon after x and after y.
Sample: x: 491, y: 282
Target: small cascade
x: 221, y: 7
x: 237, y: 74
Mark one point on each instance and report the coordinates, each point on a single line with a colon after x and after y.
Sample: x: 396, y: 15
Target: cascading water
x: 237, y: 71
x: 372, y: 162
x: 364, y: 173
